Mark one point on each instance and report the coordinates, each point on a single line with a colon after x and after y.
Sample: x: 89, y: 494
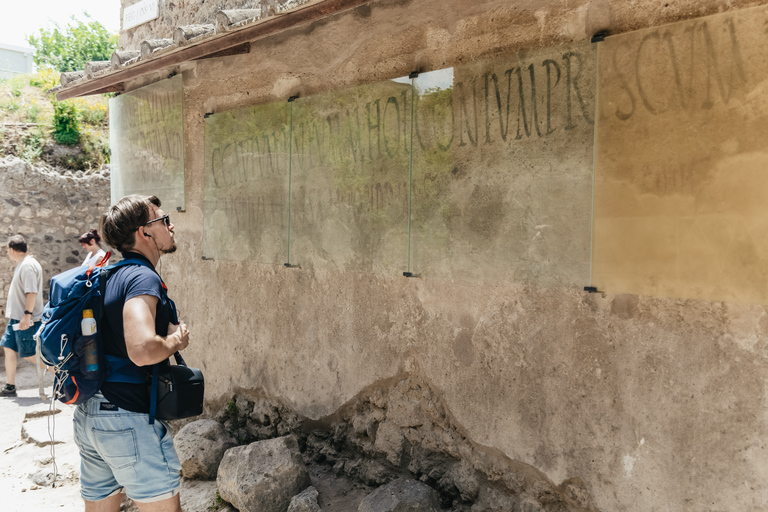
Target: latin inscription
x: 150, y: 154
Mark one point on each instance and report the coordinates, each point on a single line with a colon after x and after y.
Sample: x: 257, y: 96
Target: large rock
x: 305, y: 502
x: 201, y: 446
x: 401, y: 496
x: 263, y: 476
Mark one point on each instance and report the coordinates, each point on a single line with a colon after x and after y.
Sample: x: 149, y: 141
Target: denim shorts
x: 22, y: 342
x: 120, y: 450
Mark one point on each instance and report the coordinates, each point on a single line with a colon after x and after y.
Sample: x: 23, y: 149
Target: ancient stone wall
x: 175, y: 13
x: 653, y: 403
x: 50, y: 209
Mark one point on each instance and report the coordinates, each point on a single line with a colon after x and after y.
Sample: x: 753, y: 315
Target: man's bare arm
x: 26, y: 320
x: 144, y: 346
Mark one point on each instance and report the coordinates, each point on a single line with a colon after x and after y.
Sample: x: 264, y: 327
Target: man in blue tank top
x: 120, y: 451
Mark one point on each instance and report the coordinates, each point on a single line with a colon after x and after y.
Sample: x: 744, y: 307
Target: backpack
x: 78, y: 361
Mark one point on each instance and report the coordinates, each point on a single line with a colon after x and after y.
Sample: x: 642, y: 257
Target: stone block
x: 306, y: 501
x: 263, y: 476
x: 201, y: 446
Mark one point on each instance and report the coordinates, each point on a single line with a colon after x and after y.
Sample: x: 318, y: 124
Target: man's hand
x: 180, y: 333
x: 25, y: 322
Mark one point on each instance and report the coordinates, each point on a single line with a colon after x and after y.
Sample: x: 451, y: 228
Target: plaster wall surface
x: 656, y: 404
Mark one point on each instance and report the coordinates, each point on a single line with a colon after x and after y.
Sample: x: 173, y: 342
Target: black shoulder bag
x: 176, y: 391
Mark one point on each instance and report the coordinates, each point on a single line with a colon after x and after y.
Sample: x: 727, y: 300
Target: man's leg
x: 110, y: 504
x: 8, y: 342
x: 11, y: 359
x: 169, y: 505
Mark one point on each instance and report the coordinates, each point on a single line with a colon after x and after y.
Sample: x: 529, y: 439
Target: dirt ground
x: 26, y: 458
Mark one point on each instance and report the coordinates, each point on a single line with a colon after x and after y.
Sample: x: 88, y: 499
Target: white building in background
x: 15, y: 60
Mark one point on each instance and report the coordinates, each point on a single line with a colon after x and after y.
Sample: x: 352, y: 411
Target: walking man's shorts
x: 19, y: 341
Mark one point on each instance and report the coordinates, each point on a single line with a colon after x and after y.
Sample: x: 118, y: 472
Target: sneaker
x: 8, y: 390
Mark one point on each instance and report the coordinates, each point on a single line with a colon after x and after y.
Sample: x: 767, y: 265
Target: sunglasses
x: 164, y: 218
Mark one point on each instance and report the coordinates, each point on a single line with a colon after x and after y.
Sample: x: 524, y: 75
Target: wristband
x: 27, y: 312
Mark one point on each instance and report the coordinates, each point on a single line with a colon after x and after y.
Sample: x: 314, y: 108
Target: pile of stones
x: 399, y: 443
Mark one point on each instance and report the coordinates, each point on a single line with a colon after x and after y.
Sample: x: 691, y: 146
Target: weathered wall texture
x: 176, y: 13
x: 51, y: 210
x: 656, y: 404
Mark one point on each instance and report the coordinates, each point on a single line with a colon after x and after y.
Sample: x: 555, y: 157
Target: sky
x: 20, y: 18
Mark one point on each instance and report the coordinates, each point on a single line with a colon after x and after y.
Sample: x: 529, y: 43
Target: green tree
x: 69, y: 49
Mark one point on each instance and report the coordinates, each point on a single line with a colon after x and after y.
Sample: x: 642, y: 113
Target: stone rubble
x: 201, y: 446
x: 305, y: 501
x: 263, y: 476
x: 402, y: 495
x: 399, y: 441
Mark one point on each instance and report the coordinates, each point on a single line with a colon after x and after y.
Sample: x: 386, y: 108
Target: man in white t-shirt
x: 23, y: 309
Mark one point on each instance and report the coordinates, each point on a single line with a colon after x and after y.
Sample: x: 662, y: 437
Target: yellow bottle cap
x: 87, y: 313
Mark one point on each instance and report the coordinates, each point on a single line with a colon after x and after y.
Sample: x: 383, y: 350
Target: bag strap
x: 153, y: 393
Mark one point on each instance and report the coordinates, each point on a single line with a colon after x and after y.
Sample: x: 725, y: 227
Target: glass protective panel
x: 349, y: 185
x: 245, y: 203
x: 681, y: 163
x: 502, y: 168
x: 146, y: 135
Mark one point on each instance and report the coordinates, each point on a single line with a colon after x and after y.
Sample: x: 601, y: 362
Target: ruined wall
x: 654, y: 403
x: 50, y: 209
x: 175, y: 13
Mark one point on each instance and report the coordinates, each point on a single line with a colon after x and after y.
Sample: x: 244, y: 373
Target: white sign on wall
x: 141, y: 12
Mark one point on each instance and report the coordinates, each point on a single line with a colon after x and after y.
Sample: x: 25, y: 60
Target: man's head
x: 137, y: 216
x: 17, y: 248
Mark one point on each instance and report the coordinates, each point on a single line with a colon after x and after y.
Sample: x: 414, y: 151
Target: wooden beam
x: 235, y: 50
x: 223, y: 42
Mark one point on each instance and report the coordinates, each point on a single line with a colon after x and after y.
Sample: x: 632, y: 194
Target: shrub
x: 95, y: 145
x: 45, y: 79
x: 66, y: 129
x: 32, y: 145
x: 91, y: 113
